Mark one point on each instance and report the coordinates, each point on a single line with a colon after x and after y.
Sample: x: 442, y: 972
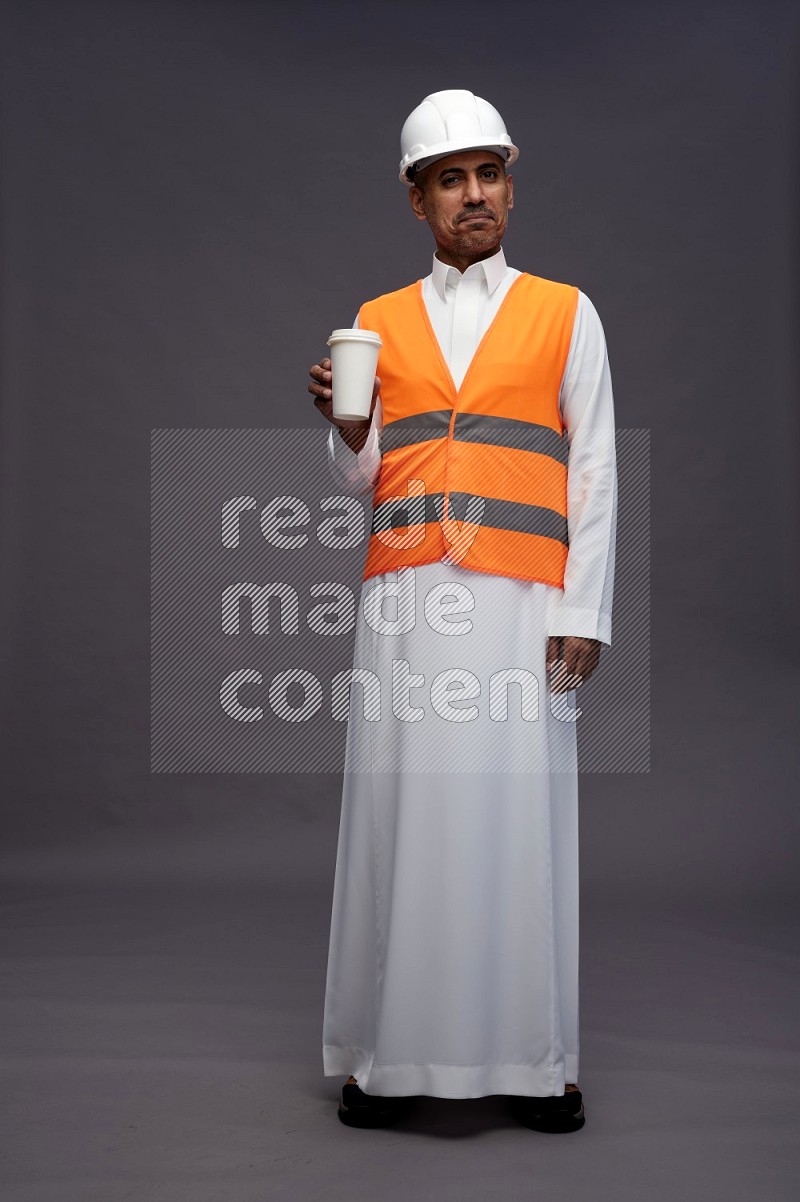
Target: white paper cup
x: 354, y: 361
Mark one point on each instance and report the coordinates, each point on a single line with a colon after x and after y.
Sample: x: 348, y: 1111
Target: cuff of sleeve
x: 355, y: 470
x: 565, y: 622
x: 338, y: 448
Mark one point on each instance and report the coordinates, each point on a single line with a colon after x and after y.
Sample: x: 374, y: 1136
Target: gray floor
x: 161, y: 1039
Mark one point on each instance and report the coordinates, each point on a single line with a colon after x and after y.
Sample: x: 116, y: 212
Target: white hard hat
x: 449, y: 121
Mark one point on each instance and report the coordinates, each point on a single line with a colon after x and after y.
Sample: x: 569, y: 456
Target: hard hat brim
x: 444, y: 149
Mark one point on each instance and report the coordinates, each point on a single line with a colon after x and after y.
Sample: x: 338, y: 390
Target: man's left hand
x: 571, y: 661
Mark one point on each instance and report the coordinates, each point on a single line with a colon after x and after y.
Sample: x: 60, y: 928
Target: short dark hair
x: 416, y: 174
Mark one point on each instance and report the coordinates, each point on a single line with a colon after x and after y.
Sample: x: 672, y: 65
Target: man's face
x: 465, y: 200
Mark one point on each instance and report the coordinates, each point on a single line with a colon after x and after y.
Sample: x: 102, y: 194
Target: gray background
x: 193, y: 195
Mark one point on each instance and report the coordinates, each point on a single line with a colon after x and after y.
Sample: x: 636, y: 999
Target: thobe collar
x: 492, y: 270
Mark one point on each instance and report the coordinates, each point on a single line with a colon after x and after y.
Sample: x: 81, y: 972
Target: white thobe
x: 453, y: 955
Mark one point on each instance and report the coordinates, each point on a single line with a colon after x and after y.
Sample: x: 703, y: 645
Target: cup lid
x: 351, y: 335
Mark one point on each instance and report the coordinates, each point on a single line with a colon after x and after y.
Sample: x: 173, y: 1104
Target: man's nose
x: 473, y: 190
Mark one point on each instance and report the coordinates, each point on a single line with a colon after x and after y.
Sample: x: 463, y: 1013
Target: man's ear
x: 510, y: 182
x: 415, y: 200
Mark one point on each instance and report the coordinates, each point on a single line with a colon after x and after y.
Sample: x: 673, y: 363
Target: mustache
x: 481, y: 212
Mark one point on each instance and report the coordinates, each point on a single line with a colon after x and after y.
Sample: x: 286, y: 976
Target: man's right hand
x: 354, y: 433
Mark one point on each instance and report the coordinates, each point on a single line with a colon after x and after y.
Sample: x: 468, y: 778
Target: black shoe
x: 553, y: 1114
x: 358, y: 1109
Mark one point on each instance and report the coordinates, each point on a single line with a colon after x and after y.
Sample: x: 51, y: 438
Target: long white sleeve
x: 357, y: 472
x: 583, y: 609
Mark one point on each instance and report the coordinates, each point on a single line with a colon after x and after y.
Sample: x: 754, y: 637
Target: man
x: 453, y: 960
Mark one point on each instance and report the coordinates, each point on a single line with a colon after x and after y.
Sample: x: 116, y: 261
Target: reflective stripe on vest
x: 476, y: 475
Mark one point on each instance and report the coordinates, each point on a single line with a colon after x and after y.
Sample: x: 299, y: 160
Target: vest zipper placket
x: 457, y: 392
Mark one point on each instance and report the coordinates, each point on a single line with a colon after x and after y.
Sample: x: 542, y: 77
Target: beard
x: 465, y: 241
x: 468, y: 240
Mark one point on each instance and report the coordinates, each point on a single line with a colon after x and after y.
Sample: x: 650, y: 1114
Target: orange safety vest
x: 476, y: 475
